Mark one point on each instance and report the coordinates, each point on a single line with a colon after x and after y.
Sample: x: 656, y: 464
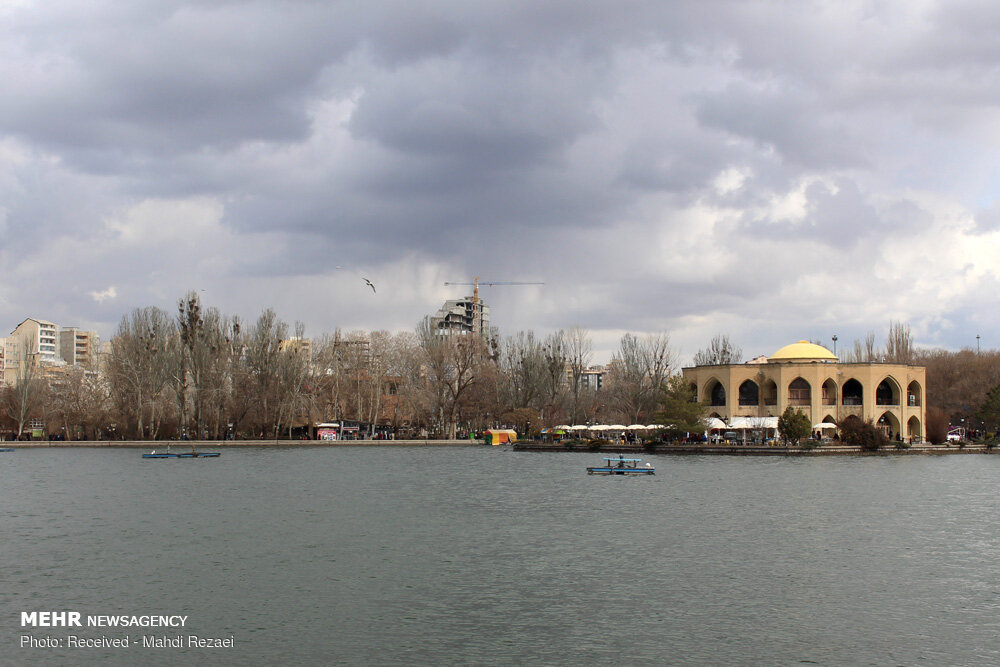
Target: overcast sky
x: 769, y: 170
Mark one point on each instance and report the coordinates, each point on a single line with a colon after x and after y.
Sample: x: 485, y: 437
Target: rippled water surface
x: 486, y: 556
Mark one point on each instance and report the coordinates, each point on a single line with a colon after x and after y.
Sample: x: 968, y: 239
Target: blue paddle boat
x: 180, y: 455
x: 621, y: 466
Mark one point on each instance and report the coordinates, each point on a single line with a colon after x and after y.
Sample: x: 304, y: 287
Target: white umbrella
x: 600, y: 427
x: 636, y: 427
x: 824, y: 425
x: 563, y: 426
x: 617, y: 427
x: 713, y: 423
x: 578, y: 427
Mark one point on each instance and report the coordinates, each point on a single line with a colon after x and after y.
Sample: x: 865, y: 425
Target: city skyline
x: 770, y: 172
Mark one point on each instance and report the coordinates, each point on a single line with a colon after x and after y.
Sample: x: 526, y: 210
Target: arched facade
x: 809, y: 377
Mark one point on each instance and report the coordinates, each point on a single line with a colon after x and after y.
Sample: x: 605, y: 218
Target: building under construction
x: 462, y: 316
x: 468, y: 315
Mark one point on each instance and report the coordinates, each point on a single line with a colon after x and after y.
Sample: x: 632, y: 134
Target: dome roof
x: 803, y: 351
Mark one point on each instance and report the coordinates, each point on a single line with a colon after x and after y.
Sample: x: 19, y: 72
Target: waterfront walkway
x: 825, y: 449
x: 183, y: 445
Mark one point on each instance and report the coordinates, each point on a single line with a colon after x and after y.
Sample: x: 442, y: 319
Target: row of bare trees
x: 201, y: 374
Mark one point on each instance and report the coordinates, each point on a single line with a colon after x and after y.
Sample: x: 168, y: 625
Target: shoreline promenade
x: 825, y: 449
x: 524, y: 446
x: 182, y: 445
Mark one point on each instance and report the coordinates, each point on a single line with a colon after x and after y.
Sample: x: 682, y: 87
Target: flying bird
x: 369, y: 283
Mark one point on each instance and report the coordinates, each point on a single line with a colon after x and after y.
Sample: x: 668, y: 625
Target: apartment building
x: 35, y: 341
x: 591, y: 377
x: 44, y: 343
x: 78, y: 347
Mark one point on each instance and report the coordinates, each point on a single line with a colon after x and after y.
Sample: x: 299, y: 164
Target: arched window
x: 853, y: 393
x: 887, y: 393
x: 799, y: 392
x: 829, y: 392
x: 889, y: 425
x: 769, y: 392
x: 749, y: 393
x: 913, y: 428
x: 913, y: 394
x: 716, y: 393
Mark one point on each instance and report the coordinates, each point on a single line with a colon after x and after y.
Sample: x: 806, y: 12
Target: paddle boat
x: 621, y: 466
x: 180, y: 455
x: 6, y: 449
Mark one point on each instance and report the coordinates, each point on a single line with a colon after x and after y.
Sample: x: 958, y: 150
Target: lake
x: 486, y: 556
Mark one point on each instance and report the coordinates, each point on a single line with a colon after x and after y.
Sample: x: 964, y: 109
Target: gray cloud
x: 659, y: 165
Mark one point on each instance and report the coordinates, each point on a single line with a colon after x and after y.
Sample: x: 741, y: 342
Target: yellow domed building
x: 810, y: 377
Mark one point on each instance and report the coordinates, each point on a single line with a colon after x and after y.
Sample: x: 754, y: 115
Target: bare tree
x: 579, y: 351
x: 294, y: 369
x: 79, y: 400
x: 522, y: 365
x: 451, y: 370
x: 263, y: 357
x: 720, y: 352
x: 554, y: 381
x: 139, y: 367
x: 24, y: 396
x: 637, y: 374
x: 863, y: 351
x: 402, y: 373
x: 899, y: 344
x: 870, y: 348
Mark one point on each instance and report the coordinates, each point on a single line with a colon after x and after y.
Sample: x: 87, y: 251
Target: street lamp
x: 977, y: 343
x: 834, y: 344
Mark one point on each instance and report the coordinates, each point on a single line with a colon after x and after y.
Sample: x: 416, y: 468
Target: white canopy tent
x: 737, y: 423
x: 714, y: 423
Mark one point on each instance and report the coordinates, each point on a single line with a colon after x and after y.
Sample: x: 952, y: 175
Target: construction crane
x: 486, y: 283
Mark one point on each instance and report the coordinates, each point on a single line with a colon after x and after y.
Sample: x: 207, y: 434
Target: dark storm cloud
x: 677, y: 164
x: 797, y: 127
x: 169, y: 81
x: 626, y: 152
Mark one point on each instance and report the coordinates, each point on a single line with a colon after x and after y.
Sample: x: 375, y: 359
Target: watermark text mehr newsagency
x: 71, y: 619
